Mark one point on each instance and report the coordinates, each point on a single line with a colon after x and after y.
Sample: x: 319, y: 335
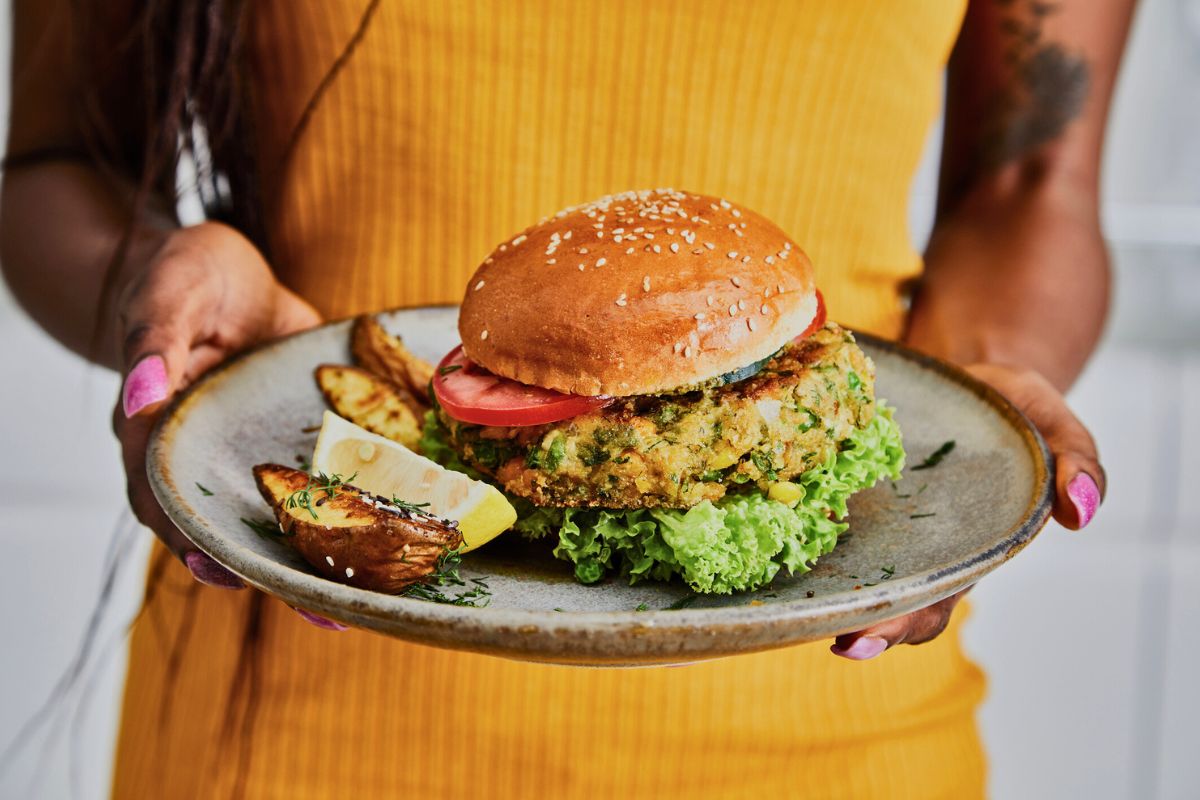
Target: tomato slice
x: 818, y: 320
x: 470, y: 393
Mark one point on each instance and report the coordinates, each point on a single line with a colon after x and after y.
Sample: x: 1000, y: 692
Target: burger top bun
x: 637, y: 293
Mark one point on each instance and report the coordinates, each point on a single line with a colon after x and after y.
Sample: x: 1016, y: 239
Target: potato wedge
x: 353, y: 537
x: 376, y: 350
x: 370, y: 401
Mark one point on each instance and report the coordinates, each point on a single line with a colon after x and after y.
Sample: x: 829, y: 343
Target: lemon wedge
x: 383, y: 467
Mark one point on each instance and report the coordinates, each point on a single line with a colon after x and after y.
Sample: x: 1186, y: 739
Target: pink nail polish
x: 319, y: 621
x: 862, y: 648
x: 1085, y: 495
x: 210, y: 573
x: 145, y: 384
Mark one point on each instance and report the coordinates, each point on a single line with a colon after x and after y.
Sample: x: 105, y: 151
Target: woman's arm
x: 183, y: 299
x: 1016, y: 280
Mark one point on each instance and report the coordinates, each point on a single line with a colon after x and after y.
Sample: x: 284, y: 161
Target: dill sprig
x: 446, y: 573
x: 264, y: 528
x: 204, y: 490
x: 302, y: 498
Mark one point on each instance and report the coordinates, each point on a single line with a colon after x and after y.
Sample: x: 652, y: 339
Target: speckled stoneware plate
x: 933, y: 533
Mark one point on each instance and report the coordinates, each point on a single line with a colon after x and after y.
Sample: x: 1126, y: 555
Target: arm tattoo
x: 1046, y: 90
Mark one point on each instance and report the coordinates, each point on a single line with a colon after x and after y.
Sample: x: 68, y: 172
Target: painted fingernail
x: 1085, y: 494
x: 319, y: 621
x: 145, y: 384
x: 862, y: 648
x: 210, y: 573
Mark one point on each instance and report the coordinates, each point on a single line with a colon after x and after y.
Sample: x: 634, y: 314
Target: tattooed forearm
x: 1046, y: 89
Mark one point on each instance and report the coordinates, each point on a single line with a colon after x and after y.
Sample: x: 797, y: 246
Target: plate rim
x: 426, y: 622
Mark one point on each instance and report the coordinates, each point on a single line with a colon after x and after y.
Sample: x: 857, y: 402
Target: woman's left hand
x: 1080, y: 485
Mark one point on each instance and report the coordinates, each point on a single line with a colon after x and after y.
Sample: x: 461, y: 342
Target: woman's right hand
x: 204, y: 295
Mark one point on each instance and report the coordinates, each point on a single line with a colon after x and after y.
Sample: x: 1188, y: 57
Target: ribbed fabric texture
x: 451, y: 126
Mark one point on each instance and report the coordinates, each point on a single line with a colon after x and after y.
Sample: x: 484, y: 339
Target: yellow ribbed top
x: 451, y: 126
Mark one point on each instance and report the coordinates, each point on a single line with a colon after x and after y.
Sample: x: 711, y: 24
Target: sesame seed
x: 629, y: 252
x: 733, y: 310
x: 750, y: 324
x: 741, y: 305
x: 599, y: 234
x: 709, y: 300
x: 479, y: 286
x: 674, y: 247
x: 670, y: 231
x: 551, y: 260
x: 646, y: 283
x: 329, y: 560
x: 503, y: 247
x: 647, y: 235
x: 770, y: 259
x: 725, y: 204
x: 656, y: 249
x: 519, y: 239
x: 678, y: 346
x: 736, y: 281
x: 621, y: 300
x: 489, y: 260
x: 598, y: 225
x: 567, y: 235
x: 779, y: 288
x: 745, y: 259
x: 787, y: 245
x: 710, y: 245
x: 767, y: 292
x: 732, y: 254
x: 736, y: 213
x: 483, y: 335
x: 581, y: 267
x: 349, y: 572
x: 600, y: 262
x: 735, y: 230
x: 687, y: 351
x: 582, y: 251
x: 764, y: 310
x: 618, y: 237
x: 700, y: 316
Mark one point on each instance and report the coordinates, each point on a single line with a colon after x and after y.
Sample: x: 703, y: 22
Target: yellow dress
x: 449, y: 126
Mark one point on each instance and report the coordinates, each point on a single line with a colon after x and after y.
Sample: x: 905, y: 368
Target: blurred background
x: 1090, y: 640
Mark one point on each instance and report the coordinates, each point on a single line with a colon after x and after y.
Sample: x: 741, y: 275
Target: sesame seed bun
x: 637, y: 293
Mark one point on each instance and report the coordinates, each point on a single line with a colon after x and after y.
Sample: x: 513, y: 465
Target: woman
x: 359, y: 154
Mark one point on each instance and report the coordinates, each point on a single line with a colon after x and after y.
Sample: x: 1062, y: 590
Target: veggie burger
x: 652, y: 379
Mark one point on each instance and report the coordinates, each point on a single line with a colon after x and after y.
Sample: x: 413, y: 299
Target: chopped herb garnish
x: 591, y: 454
x: 264, y: 528
x: 888, y: 571
x: 765, y: 464
x: 852, y: 380
x: 936, y: 456
x: 683, y: 602
x: 447, y: 369
x: 204, y: 491
x: 560, y: 609
x: 412, y: 508
x: 642, y: 607
x: 922, y: 516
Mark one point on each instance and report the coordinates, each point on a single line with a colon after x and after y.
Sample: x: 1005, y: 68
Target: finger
x: 917, y: 627
x: 319, y: 621
x: 132, y: 435
x: 1080, y: 481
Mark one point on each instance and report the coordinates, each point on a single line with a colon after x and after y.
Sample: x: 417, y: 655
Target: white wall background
x: 1090, y: 639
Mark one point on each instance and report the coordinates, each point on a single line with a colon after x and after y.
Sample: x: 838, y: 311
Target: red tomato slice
x: 470, y: 393
x: 818, y: 320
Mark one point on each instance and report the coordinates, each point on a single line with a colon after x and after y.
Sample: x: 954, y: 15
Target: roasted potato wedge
x: 353, y: 537
x: 376, y: 350
x: 370, y: 401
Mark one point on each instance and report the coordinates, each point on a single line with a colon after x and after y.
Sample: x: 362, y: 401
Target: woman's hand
x: 1079, y: 488
x: 204, y: 295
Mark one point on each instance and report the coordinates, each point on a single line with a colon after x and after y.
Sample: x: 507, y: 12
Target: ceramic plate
x: 909, y: 544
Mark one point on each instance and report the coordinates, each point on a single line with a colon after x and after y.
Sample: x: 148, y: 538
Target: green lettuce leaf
x: 738, y: 543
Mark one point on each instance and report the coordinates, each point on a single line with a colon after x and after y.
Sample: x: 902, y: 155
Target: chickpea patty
x: 674, y: 451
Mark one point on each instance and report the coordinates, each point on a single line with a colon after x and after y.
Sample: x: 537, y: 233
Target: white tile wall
x: 1090, y: 639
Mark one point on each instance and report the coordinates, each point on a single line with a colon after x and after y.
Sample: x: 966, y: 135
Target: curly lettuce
x: 737, y: 544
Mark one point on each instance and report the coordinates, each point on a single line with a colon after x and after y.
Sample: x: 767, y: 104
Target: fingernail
x: 862, y: 648
x: 145, y: 384
x: 210, y: 573
x: 319, y: 621
x: 1085, y: 494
